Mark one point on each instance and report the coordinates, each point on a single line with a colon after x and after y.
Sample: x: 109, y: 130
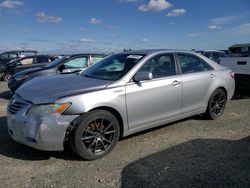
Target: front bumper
x: 43, y: 133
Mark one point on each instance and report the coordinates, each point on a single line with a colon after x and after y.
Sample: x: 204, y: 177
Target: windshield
x: 113, y: 67
x: 55, y: 62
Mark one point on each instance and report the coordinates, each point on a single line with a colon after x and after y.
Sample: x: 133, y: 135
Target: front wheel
x: 96, y: 134
x: 216, y: 104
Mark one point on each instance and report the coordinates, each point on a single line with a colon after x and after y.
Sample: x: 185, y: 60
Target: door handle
x: 212, y: 76
x: 176, y: 83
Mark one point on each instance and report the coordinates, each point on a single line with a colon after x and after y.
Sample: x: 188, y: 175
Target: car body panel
x: 44, y: 133
x: 153, y: 100
x: 196, y: 88
x: 58, y: 86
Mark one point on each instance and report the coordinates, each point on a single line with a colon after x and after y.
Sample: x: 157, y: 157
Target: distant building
x: 243, y: 49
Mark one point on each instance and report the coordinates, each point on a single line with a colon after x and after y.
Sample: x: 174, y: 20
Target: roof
x: 20, y: 51
x: 31, y: 56
x: 220, y: 51
x: 150, y: 51
x: 240, y: 45
x: 85, y: 54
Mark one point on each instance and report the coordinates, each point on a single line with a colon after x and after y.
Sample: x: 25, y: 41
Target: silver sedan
x: 121, y: 95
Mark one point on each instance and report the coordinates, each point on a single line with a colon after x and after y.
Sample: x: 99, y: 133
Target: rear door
x: 35, y: 61
x: 24, y: 63
x: 154, y: 101
x: 197, y: 79
x: 41, y: 61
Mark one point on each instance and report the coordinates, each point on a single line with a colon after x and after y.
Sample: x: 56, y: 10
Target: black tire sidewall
x: 4, y: 77
x: 79, y: 147
x: 210, y: 113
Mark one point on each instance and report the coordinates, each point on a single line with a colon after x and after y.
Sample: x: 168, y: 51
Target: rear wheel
x: 216, y: 104
x: 96, y: 134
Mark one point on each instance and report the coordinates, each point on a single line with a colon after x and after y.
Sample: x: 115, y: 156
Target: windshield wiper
x: 89, y: 76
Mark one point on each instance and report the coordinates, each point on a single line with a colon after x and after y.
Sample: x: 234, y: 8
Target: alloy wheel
x: 98, y: 135
x: 218, y: 103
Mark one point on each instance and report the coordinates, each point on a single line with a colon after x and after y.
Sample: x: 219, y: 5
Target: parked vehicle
x: 215, y: 55
x: 11, y: 55
x: 242, y: 50
x: 241, y: 67
x: 65, y: 65
x: 14, y: 66
x: 121, y: 95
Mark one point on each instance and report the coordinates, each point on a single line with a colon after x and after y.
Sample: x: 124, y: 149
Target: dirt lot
x: 189, y: 153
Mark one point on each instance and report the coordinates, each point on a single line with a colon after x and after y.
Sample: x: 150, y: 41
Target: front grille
x: 15, y: 107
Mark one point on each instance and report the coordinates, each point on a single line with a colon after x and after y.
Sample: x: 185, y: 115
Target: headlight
x: 43, y: 110
x: 22, y: 77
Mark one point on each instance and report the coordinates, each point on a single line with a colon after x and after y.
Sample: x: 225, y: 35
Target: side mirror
x: 62, y: 68
x: 143, y: 75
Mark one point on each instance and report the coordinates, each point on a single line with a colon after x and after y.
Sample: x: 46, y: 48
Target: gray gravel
x: 189, y: 153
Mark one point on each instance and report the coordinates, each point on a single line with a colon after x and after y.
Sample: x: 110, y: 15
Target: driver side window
x: 81, y: 62
x: 160, y: 66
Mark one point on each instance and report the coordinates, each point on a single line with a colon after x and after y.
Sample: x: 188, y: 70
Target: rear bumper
x: 242, y: 81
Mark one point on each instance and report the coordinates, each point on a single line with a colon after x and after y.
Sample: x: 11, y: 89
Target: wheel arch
x: 223, y: 89
x: 116, y: 114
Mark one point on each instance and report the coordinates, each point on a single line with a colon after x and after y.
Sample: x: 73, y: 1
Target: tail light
x: 232, y: 75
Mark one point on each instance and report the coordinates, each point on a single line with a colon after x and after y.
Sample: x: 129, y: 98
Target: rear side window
x: 26, y: 61
x: 42, y: 59
x: 80, y: 62
x: 95, y: 59
x: 192, y: 64
x: 208, y: 55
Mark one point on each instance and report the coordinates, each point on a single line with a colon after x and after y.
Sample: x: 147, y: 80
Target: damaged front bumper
x: 43, y: 133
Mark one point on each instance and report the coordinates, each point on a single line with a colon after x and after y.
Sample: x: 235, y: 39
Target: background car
x: 11, y: 55
x: 65, y: 65
x: 123, y: 94
x: 14, y: 66
x: 214, y: 55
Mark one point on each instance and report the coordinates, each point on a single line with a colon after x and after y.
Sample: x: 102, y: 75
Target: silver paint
x: 141, y: 105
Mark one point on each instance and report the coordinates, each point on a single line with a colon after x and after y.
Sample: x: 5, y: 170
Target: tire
x: 6, y: 77
x: 216, y: 104
x: 95, y: 135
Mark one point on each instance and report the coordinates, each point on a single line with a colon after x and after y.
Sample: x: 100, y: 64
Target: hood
x: 29, y: 71
x: 48, y: 89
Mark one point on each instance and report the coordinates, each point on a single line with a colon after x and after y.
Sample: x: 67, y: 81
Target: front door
x: 154, y: 101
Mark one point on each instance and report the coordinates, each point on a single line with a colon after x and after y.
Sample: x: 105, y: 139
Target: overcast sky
x: 111, y: 25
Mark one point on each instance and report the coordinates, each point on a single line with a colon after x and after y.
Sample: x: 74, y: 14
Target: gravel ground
x: 189, y: 153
